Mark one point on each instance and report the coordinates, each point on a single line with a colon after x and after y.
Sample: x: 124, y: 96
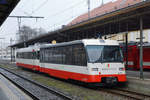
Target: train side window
x: 51, y: 53
x: 59, y: 55
x: 46, y: 55
x: 68, y: 55
x: 63, y: 55
x: 41, y: 55
x: 17, y: 55
x: 79, y: 55
x: 54, y: 55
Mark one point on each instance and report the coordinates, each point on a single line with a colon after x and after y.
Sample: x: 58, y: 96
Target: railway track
x: 127, y: 94
x: 39, y: 91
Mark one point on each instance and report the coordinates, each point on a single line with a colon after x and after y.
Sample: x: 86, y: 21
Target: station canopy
x: 6, y: 7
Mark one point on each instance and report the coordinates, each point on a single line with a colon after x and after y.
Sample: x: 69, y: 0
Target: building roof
x: 104, y: 9
x: 6, y: 7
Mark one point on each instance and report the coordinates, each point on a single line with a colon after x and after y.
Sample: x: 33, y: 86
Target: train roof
x: 28, y: 49
x: 85, y: 42
x: 32, y: 48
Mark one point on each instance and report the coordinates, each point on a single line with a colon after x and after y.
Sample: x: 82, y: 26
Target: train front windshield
x: 100, y: 54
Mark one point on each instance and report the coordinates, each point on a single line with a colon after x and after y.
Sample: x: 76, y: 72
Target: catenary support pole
x: 19, y: 22
x: 126, y: 36
x: 141, y: 48
x: 11, y: 55
x: 88, y: 2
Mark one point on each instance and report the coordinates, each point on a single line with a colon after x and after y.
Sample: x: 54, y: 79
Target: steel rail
x: 127, y: 93
x: 53, y: 91
x: 133, y: 92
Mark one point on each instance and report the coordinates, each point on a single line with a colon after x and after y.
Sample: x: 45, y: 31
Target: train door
x: 146, y: 57
x: 34, y: 60
x: 131, y: 54
x: 38, y: 58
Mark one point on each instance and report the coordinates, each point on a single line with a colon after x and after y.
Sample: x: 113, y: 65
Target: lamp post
x: 1, y: 48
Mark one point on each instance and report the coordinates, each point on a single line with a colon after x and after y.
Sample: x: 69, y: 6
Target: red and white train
x: 134, y: 56
x: 87, y: 60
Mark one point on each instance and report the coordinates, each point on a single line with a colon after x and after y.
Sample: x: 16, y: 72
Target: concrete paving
x: 9, y: 91
x: 2, y: 95
x: 136, y: 74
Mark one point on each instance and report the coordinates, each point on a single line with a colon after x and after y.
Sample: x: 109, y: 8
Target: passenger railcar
x: 29, y: 57
x: 134, y: 56
x: 88, y: 60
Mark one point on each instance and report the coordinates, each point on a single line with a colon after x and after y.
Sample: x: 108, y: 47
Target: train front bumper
x: 102, y: 78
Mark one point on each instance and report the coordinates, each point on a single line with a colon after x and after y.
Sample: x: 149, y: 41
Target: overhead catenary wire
x: 58, y: 13
x: 70, y: 18
x: 67, y: 9
x: 39, y: 7
x: 10, y: 30
x: 62, y: 11
x: 58, y: 25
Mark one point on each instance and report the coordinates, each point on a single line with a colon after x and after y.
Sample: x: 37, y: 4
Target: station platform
x: 134, y: 82
x: 136, y: 74
x: 9, y: 91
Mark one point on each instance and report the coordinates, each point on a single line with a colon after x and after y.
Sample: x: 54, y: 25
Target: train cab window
x: 98, y: 54
x: 94, y: 53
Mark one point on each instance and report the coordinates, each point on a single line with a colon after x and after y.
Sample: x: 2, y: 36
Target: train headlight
x: 94, y: 69
x: 121, y: 69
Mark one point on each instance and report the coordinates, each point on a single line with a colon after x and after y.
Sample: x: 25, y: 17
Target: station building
x: 103, y: 9
x: 133, y: 36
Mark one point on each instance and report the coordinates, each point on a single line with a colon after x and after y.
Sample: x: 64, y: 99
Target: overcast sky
x: 55, y: 13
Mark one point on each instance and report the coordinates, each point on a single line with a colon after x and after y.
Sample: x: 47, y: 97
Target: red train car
x: 134, y: 56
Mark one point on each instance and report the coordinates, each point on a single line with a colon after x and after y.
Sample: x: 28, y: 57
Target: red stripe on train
x: 33, y: 67
x: 72, y: 75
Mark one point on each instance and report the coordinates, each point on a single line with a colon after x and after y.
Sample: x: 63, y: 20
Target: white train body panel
x: 34, y: 62
x: 67, y: 68
x: 104, y: 69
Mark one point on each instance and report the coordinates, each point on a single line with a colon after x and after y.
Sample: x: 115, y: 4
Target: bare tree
x: 27, y: 33
x: 40, y: 31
